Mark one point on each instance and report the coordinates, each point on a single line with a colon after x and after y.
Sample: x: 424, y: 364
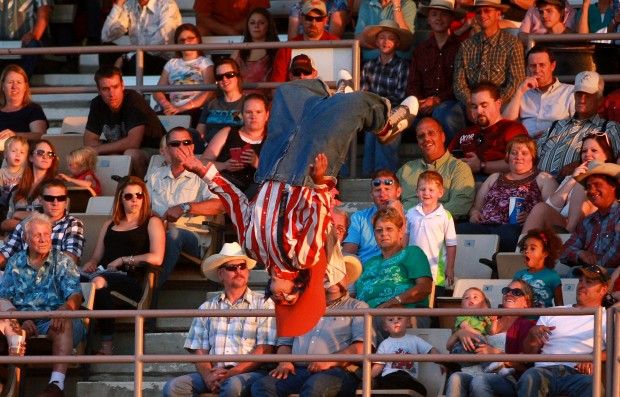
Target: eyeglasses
x: 513, y: 291
x: 378, y: 181
x: 235, y: 268
x: 49, y: 198
x: 595, y: 134
x: 185, y: 142
x: 228, y: 75
x: 299, y: 72
x: 186, y: 39
x: 595, y: 269
x: 130, y: 196
x: 43, y: 154
x: 309, y: 18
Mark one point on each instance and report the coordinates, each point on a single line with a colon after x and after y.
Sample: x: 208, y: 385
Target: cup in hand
x: 17, y: 345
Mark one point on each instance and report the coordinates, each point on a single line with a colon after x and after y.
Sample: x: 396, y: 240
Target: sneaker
x: 399, y: 119
x: 345, y: 82
x: 51, y: 390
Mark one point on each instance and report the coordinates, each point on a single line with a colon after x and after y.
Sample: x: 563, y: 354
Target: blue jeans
x: 306, y: 120
x: 458, y: 385
x: 554, y: 380
x: 334, y: 382
x: 378, y: 156
x: 491, y: 385
x: 451, y: 116
x: 177, y: 240
x: 193, y: 385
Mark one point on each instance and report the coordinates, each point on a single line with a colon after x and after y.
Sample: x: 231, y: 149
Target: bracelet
x: 131, y: 261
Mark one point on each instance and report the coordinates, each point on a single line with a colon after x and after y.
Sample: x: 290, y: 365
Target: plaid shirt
x: 232, y: 335
x: 498, y: 59
x: 560, y: 145
x: 67, y: 236
x: 389, y: 80
x: 598, y: 233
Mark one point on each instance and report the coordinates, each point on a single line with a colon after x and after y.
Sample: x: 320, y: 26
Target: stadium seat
x: 176, y: 120
x: 156, y: 161
x: 508, y: 263
x: 569, y: 290
x: 73, y: 125
x: 100, y: 205
x: 108, y: 166
x: 63, y: 145
x: 470, y: 248
x: 93, y: 224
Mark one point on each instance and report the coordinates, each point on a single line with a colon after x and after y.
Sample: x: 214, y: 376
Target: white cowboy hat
x: 369, y: 34
x: 594, y: 168
x: 491, y: 3
x: 229, y: 252
x: 444, y: 5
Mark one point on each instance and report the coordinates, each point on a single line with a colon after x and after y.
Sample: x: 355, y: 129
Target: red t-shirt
x: 488, y: 144
x: 282, y: 61
x: 228, y: 11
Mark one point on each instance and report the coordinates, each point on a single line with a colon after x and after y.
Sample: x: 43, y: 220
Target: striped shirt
x: 232, y: 335
x: 498, y: 59
x: 560, y: 145
x: 286, y: 245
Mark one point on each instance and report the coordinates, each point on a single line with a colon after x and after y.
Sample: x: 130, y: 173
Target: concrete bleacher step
x: 118, y: 389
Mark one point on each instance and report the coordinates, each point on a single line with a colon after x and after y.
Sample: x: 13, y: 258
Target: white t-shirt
x: 432, y: 233
x: 572, y: 335
x: 182, y: 72
x: 408, y: 344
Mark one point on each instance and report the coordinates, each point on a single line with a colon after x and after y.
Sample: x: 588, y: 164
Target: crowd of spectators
x: 495, y: 126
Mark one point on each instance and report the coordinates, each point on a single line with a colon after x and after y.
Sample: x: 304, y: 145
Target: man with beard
x: 484, y: 144
x: 560, y: 145
x: 596, y: 241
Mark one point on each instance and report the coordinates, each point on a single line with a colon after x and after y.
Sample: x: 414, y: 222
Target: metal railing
x: 366, y: 358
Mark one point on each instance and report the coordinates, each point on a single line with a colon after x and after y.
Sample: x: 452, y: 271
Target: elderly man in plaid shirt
x: 67, y: 230
x: 227, y: 335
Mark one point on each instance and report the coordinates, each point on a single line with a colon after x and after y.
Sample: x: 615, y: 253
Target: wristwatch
x: 186, y: 207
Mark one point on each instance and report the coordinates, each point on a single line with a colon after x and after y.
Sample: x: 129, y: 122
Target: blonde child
x: 400, y: 374
x: 16, y: 156
x: 82, y: 164
x: 540, y: 249
x: 431, y: 227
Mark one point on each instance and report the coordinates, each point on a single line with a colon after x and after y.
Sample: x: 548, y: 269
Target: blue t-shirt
x: 362, y: 234
x: 543, y: 282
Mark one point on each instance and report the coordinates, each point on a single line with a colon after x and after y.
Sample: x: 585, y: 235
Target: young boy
x: 387, y: 76
x: 431, y: 228
x: 400, y: 374
x: 16, y: 155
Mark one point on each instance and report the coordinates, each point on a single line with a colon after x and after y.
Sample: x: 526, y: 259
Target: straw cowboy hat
x: 229, y: 252
x: 596, y: 168
x: 369, y: 34
x: 491, y: 3
x: 444, y: 5
x: 298, y: 319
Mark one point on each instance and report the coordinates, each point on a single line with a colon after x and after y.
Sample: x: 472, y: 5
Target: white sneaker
x: 345, y: 82
x: 399, y: 119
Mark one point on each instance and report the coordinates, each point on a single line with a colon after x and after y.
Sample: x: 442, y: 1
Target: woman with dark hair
x: 133, y: 236
x: 225, y: 109
x: 18, y: 114
x: 508, y: 335
x: 188, y: 67
x: 567, y: 206
x: 255, y: 64
x: 490, y: 212
x: 42, y: 166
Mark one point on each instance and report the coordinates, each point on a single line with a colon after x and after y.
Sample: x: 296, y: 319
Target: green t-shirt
x: 383, y: 279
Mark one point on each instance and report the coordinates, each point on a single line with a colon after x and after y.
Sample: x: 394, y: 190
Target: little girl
x: 82, y: 163
x: 474, y: 298
x: 16, y: 155
x: 540, y: 249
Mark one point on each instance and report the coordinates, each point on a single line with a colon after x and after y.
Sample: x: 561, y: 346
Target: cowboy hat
x: 369, y: 34
x: 596, y: 168
x: 444, y: 5
x: 229, y: 252
x: 491, y: 3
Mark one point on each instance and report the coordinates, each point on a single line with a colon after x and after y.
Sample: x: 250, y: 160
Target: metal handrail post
x: 614, y: 363
x: 355, y: 62
x: 367, y: 364
x: 139, y: 354
x: 140, y: 67
x: 597, y: 346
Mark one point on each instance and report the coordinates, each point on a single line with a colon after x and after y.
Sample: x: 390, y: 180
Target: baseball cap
x: 316, y: 5
x: 303, y: 63
x: 592, y: 272
x: 589, y: 82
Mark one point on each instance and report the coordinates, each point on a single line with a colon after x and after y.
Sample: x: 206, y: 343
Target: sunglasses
x: 513, y: 291
x: 309, y: 18
x: 234, y: 268
x: 597, y: 270
x: 130, y: 196
x: 299, y: 72
x: 378, y: 181
x: 49, y: 198
x: 228, y: 75
x: 185, y: 142
x: 42, y: 153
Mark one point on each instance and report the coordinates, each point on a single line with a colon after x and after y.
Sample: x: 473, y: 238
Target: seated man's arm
x: 208, y: 207
x: 116, y: 24
x: 133, y: 140
x: 574, y: 246
x: 73, y: 240
x: 462, y: 191
x: 40, y: 25
x: 536, y: 339
x: 249, y: 366
x: 205, y: 369
x: 515, y: 72
x: 357, y: 347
